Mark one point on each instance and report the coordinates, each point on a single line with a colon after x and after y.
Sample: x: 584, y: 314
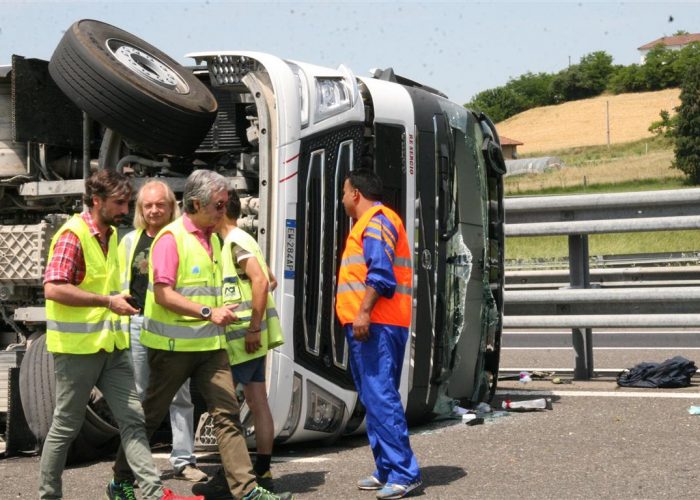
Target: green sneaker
x: 260, y: 493
x: 123, y: 490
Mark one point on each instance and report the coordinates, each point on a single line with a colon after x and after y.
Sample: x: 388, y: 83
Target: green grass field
x: 638, y: 166
x: 554, y: 247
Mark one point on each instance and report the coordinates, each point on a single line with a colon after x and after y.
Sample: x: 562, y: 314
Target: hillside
x: 582, y: 123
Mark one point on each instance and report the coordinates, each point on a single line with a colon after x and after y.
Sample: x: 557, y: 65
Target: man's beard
x: 114, y: 220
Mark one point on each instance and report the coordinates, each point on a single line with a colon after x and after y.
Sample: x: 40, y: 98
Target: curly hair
x: 106, y: 183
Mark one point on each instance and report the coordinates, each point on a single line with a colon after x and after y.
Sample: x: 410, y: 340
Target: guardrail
x: 580, y: 307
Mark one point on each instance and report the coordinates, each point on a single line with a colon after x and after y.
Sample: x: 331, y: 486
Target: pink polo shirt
x: 164, y: 253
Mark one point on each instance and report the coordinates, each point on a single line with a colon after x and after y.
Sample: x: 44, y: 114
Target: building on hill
x: 676, y: 42
x: 509, y: 147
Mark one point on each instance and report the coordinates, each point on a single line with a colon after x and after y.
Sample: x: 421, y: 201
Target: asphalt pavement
x: 598, y: 441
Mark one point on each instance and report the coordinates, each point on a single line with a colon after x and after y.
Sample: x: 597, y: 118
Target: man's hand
x: 360, y: 327
x: 222, y: 316
x: 119, y: 304
x: 252, y: 341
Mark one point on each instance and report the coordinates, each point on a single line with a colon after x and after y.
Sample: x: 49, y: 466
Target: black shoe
x: 265, y: 481
x: 215, y: 489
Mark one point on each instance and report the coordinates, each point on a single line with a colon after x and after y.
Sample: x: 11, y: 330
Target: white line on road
x: 602, y: 332
x: 603, y: 394
x: 602, y: 348
x: 300, y: 460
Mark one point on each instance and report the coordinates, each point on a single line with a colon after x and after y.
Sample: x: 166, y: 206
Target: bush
x: 666, y: 126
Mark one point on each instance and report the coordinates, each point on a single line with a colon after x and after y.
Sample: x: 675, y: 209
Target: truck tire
x: 98, y: 437
x: 132, y: 87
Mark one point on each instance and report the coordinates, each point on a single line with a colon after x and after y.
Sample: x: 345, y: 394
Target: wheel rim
x: 147, y: 66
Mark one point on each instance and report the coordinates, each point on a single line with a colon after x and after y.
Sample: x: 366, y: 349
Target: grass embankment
x: 638, y: 166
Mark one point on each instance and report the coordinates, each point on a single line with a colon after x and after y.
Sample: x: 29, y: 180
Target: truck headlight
x: 294, y: 410
x: 303, y: 94
x: 324, y: 411
x: 332, y: 98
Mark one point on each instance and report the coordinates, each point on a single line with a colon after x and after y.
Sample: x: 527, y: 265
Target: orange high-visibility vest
x: 353, y: 273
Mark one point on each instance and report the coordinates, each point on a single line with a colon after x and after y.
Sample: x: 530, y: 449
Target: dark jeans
x: 211, y: 373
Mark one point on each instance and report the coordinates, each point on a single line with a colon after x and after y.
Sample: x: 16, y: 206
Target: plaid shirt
x: 68, y: 263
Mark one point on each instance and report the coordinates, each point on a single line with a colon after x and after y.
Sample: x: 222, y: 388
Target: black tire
x: 37, y: 387
x: 98, y: 437
x: 132, y: 87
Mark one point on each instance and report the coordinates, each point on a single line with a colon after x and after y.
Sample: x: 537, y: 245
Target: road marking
x: 304, y: 460
x: 627, y: 331
x: 602, y: 394
x: 601, y: 348
x: 300, y: 460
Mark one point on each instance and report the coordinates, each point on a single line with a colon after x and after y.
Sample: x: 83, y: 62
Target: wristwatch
x: 205, y: 312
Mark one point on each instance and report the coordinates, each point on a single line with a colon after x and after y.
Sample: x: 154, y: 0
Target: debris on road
x: 527, y: 405
x: 674, y: 372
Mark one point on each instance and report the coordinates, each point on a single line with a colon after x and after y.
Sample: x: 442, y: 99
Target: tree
x: 627, y: 79
x: 499, y: 103
x: 586, y: 79
x: 687, y: 140
x: 534, y: 88
x: 658, y: 68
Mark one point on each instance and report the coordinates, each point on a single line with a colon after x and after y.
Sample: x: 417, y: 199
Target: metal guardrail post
x: 579, y: 277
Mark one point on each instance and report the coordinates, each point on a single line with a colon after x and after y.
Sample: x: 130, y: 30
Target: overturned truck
x: 285, y: 133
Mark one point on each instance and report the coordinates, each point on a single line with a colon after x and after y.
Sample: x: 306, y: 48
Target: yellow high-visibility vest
x: 86, y: 330
x: 240, y: 291
x: 198, y: 279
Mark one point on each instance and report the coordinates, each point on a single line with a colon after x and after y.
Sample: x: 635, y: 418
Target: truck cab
x: 286, y: 134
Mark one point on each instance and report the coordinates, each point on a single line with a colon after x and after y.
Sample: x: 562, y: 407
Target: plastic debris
x: 527, y: 405
x: 694, y: 410
x: 524, y: 378
x: 495, y: 414
x: 483, y: 408
x: 459, y: 411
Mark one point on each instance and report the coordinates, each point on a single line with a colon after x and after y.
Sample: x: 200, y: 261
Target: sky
x: 459, y: 48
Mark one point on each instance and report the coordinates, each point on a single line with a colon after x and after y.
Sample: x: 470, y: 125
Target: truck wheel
x: 37, y: 386
x: 132, y: 87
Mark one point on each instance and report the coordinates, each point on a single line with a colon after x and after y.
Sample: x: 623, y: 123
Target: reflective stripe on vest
x: 86, y: 330
x: 353, y: 274
x: 199, y: 277
x: 240, y: 291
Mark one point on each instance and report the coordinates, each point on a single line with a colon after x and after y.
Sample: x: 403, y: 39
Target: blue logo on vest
x: 195, y: 270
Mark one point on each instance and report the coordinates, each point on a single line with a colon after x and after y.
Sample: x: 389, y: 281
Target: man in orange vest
x: 373, y: 303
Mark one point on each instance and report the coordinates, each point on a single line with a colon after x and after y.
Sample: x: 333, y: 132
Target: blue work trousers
x: 376, y: 369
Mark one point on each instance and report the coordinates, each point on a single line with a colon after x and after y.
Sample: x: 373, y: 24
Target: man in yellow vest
x: 373, y: 303
x: 89, y: 347
x: 156, y: 207
x: 248, y: 282
x: 184, y: 320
